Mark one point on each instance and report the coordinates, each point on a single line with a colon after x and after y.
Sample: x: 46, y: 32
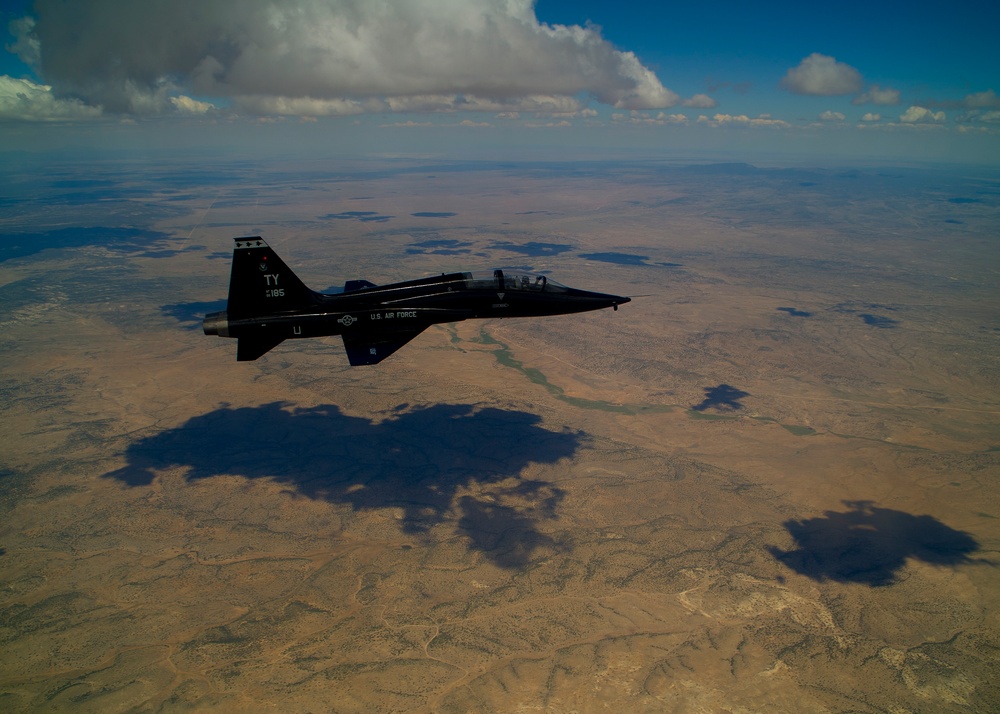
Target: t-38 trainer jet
x: 268, y: 304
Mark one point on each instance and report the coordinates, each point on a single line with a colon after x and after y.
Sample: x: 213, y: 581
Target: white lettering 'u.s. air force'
x: 398, y: 315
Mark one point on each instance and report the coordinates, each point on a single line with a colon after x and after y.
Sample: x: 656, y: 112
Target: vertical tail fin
x: 261, y: 283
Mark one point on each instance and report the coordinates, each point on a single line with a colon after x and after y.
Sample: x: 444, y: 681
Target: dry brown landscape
x: 770, y: 484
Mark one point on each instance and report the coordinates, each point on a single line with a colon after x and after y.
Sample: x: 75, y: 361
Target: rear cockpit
x: 492, y: 280
x: 501, y: 280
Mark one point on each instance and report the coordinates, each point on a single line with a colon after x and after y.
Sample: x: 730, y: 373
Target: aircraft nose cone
x: 615, y: 299
x: 607, y: 300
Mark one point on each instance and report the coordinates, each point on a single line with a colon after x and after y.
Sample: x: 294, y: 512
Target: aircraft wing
x: 373, y: 347
x: 250, y: 348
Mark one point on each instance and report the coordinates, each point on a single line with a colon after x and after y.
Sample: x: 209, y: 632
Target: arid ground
x: 770, y: 484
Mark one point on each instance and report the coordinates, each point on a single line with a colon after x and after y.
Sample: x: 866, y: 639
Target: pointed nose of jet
x: 597, y: 301
x: 616, y: 300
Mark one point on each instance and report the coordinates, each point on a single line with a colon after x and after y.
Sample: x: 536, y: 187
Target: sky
x: 805, y: 81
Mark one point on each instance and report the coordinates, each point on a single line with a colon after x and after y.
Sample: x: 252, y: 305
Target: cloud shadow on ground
x: 533, y: 249
x: 870, y: 545
x: 794, y: 312
x: 20, y: 245
x: 191, y: 314
x: 447, y: 463
x: 880, y: 321
x: 723, y: 398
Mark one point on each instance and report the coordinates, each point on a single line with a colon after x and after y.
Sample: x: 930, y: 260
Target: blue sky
x: 934, y: 54
x: 894, y: 80
x: 917, y: 44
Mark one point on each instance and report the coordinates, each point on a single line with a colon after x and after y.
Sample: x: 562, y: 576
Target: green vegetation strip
x: 793, y: 428
x: 506, y: 358
x: 799, y: 430
x: 695, y: 414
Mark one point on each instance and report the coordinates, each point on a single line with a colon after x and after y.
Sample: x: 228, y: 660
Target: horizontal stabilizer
x: 368, y: 348
x: 352, y: 285
x: 250, y: 348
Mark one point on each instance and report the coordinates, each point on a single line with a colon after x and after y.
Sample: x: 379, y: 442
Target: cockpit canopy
x: 510, y: 280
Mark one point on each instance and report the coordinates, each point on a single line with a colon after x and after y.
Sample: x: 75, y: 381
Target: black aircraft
x: 268, y: 304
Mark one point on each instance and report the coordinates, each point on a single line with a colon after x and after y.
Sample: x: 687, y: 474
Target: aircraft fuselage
x: 269, y: 304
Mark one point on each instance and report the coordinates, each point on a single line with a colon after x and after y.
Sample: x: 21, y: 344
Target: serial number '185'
x: 277, y: 292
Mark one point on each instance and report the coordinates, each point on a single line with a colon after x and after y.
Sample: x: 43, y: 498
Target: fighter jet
x: 268, y: 304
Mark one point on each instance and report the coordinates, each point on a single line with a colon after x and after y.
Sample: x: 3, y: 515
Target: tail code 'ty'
x: 261, y: 283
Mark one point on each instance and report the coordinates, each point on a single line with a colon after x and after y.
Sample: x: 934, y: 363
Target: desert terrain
x: 770, y: 483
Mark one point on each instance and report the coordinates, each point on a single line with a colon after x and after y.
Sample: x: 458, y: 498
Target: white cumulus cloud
x: 549, y: 125
x: 408, y: 124
x: 921, y: 115
x: 25, y: 44
x: 262, y: 104
x: 315, y: 57
x: 822, y: 75
x: 723, y: 120
x: 831, y: 116
x: 187, y: 105
x: 883, y: 96
x: 659, y: 119
x: 982, y: 100
x: 870, y: 116
x: 700, y: 101
x: 980, y: 108
x: 21, y: 99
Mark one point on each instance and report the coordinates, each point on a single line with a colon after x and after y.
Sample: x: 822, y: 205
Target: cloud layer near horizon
x: 317, y: 57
